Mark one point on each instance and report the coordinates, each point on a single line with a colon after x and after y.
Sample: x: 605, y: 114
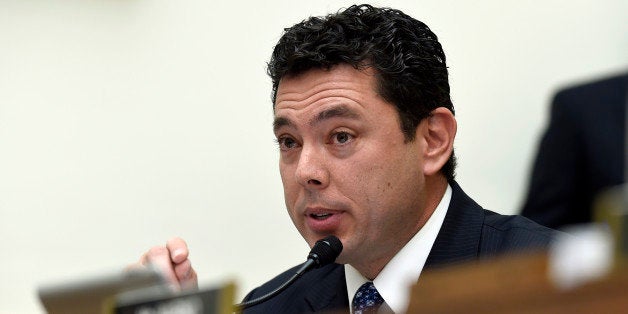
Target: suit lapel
x: 459, y: 237
x: 329, y: 293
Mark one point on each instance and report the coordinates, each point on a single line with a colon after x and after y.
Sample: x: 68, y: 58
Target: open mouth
x: 320, y: 216
x: 323, y: 220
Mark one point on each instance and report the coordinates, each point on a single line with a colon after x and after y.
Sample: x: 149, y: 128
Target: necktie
x: 366, y: 299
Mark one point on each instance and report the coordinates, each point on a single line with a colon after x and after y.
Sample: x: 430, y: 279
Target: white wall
x: 126, y: 122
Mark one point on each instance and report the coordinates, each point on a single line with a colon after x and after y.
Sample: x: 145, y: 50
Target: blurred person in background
x: 581, y: 153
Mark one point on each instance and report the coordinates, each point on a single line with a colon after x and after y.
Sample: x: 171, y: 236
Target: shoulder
x: 470, y: 232
x: 495, y: 233
x: 613, y: 82
x: 510, y: 233
x: 602, y: 91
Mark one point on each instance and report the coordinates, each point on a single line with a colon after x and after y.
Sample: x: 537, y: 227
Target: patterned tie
x: 367, y: 299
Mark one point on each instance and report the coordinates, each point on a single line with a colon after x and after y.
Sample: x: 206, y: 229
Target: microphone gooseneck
x: 324, y: 251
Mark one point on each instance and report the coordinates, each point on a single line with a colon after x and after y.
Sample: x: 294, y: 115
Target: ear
x: 438, y: 134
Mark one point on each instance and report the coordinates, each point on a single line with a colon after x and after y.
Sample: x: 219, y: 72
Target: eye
x: 341, y: 138
x: 286, y: 143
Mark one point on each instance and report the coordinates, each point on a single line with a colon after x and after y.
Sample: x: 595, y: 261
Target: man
x: 365, y: 128
x: 581, y: 153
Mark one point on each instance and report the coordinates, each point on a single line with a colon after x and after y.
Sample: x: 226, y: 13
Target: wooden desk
x: 514, y: 284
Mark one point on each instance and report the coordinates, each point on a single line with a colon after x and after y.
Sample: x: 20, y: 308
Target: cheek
x: 386, y: 182
x: 289, y: 190
x: 367, y: 187
x: 287, y: 176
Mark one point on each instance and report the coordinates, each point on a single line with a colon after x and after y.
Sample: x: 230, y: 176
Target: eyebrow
x: 338, y: 111
x: 280, y: 122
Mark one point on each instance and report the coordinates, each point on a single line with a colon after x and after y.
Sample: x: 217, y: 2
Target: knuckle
x: 177, y: 242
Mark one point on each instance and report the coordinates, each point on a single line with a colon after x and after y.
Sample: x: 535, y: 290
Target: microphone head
x: 325, y: 251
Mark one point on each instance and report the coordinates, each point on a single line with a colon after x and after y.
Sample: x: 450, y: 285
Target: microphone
x: 324, y: 251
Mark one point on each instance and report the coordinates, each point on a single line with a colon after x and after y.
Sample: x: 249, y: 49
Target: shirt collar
x: 402, y: 271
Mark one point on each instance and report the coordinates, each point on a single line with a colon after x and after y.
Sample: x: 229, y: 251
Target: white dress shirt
x: 394, y: 281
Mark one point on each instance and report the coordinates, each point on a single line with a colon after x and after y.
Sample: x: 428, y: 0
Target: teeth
x: 320, y: 216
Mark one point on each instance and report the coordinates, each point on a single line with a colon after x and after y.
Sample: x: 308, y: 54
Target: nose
x: 311, y: 170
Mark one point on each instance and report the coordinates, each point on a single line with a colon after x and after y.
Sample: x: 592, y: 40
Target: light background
x: 126, y: 122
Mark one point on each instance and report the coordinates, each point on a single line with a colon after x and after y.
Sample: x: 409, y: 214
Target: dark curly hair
x: 408, y: 60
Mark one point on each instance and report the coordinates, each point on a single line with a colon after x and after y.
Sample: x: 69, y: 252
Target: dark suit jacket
x: 581, y: 153
x: 469, y: 232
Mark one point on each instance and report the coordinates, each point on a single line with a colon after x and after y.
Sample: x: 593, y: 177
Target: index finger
x: 178, y: 250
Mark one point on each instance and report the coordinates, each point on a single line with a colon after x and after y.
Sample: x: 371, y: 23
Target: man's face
x: 345, y: 167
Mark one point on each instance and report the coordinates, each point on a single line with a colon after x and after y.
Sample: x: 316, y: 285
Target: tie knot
x: 366, y: 299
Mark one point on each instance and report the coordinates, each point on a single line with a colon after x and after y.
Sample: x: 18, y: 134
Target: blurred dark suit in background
x: 581, y: 153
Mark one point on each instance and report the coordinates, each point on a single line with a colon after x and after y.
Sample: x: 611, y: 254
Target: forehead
x: 321, y: 89
x: 340, y: 81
